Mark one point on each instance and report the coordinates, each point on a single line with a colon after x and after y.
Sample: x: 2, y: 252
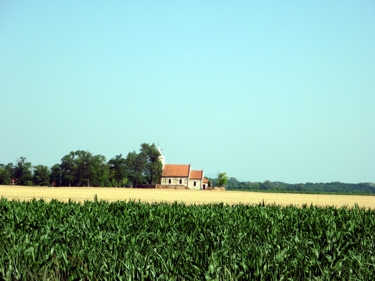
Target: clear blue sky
x: 262, y: 90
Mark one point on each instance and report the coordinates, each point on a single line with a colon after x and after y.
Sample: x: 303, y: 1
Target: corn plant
x: 97, y: 240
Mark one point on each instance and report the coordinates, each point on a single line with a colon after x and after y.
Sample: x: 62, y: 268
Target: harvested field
x: 81, y: 194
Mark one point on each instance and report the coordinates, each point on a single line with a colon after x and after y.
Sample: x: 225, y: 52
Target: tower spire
x: 161, y: 157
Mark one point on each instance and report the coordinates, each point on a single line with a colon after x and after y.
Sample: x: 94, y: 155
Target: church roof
x: 196, y: 174
x: 176, y: 170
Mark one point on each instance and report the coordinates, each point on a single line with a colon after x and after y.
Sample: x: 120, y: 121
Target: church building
x: 181, y: 175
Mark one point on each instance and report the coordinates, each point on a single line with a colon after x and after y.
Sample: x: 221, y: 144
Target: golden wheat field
x: 80, y: 194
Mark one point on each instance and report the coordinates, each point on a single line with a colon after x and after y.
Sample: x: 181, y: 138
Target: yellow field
x: 188, y: 196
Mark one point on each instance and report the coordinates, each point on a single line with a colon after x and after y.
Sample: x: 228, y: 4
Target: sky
x: 261, y: 90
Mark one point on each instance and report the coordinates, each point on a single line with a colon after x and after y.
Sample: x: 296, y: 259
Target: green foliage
x: 41, y: 175
x: 154, y: 167
x: 145, y: 166
x: 136, y: 164
x: 222, y: 179
x: 140, y: 241
x: 117, y: 168
x: 333, y: 187
x: 68, y: 168
x: 213, y: 181
x: 55, y: 175
x: 81, y: 168
x: 22, y: 172
x: 99, y: 172
x: 6, y: 173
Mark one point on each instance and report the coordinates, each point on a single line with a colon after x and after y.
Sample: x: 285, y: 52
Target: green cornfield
x: 97, y: 240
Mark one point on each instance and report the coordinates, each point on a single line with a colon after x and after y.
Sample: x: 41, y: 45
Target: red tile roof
x: 176, y: 170
x: 196, y: 174
x: 205, y: 180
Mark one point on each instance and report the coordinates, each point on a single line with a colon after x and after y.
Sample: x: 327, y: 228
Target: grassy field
x: 80, y: 194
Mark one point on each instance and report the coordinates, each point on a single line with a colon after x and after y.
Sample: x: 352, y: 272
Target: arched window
x: 169, y: 181
x: 180, y: 181
x: 195, y: 183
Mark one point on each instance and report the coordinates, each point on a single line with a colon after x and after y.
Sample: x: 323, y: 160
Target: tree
x: 41, y: 175
x: 6, y: 172
x: 233, y: 183
x: 99, y: 171
x: 153, y: 167
x: 267, y: 185
x: 55, y: 177
x: 82, y: 168
x: 68, y: 168
x: 117, y: 168
x: 135, y: 166
x: 84, y: 160
x: 145, y: 166
x: 22, y: 172
x: 222, y: 179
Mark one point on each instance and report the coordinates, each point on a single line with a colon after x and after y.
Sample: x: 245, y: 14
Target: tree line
x: 82, y: 168
x: 309, y: 187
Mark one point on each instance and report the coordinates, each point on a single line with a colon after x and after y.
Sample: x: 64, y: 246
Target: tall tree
x: 135, y: 166
x: 144, y: 167
x: 222, y: 179
x: 6, y: 172
x: 68, y: 168
x: 154, y: 167
x: 56, y: 175
x: 99, y: 171
x: 23, y: 172
x: 41, y: 175
x: 117, y: 167
x: 266, y: 185
x: 83, y: 167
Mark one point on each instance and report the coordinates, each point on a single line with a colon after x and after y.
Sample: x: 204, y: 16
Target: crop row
x: 163, y: 241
